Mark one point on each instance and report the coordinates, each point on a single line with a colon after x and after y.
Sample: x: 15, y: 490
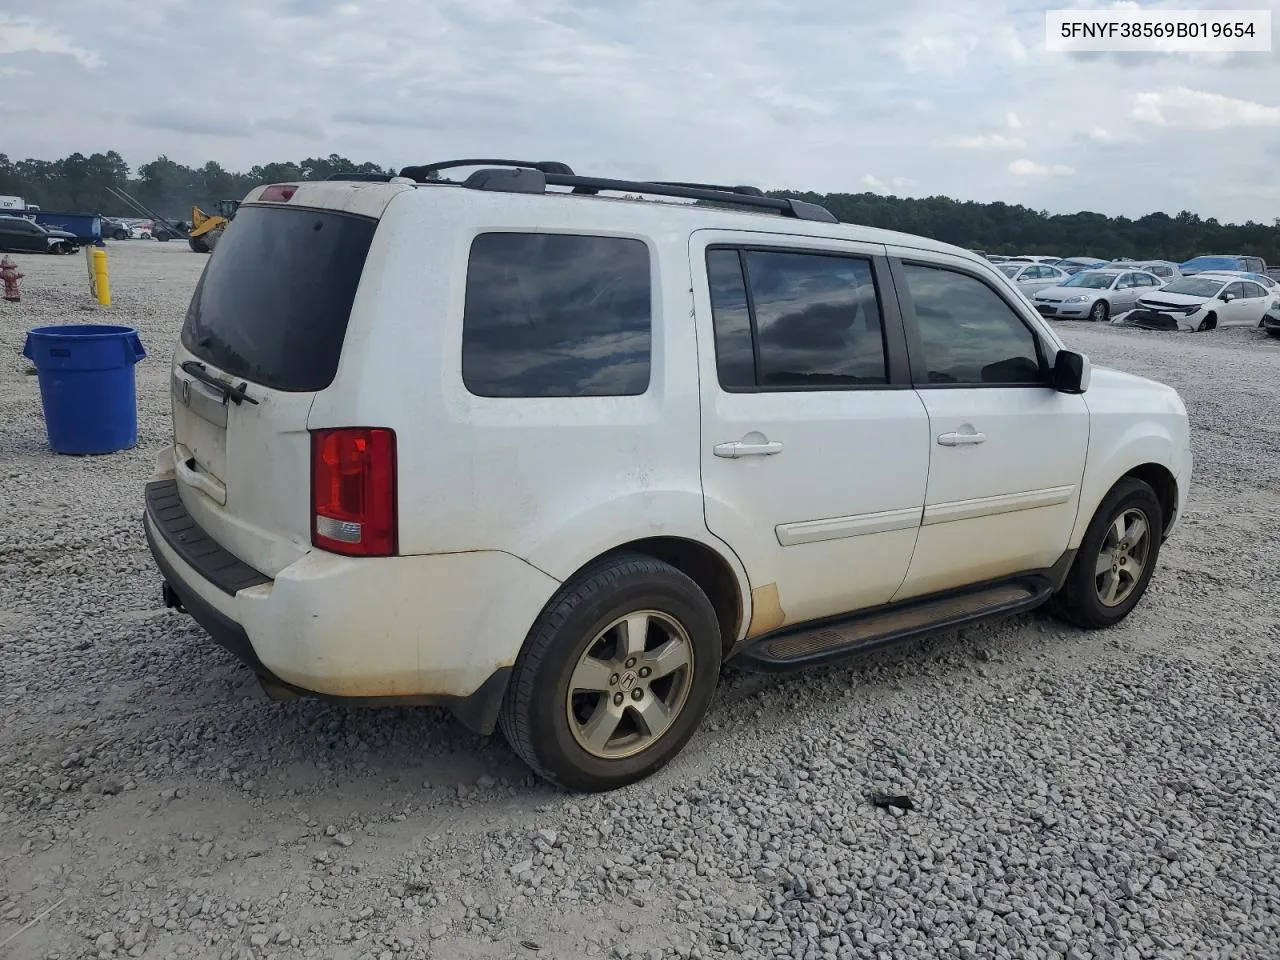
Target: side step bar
x: 822, y: 642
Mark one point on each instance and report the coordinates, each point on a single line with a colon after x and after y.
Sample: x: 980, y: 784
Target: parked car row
x: 22, y: 235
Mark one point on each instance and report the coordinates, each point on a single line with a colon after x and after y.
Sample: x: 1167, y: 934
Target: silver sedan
x: 1032, y: 277
x: 1095, y: 294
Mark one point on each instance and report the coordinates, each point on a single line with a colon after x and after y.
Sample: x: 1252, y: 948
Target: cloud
x: 1028, y: 168
x: 1101, y: 135
x: 1198, y: 109
x: 29, y: 35
x: 292, y: 126
x: 986, y: 141
x: 194, y: 121
x: 1011, y: 121
x: 874, y: 184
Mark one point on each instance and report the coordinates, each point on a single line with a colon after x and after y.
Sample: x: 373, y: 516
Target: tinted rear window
x: 556, y: 315
x: 273, y: 303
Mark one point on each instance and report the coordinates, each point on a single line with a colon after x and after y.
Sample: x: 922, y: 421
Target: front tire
x: 615, y: 676
x: 1116, y: 558
x: 1208, y: 323
x: 1099, y: 312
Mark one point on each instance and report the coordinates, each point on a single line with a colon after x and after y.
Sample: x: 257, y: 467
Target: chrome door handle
x: 739, y: 448
x: 960, y: 439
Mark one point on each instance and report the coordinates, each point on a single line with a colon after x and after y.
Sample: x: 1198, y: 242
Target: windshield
x: 1011, y: 269
x: 1195, y: 288
x: 1212, y: 263
x: 1090, y: 279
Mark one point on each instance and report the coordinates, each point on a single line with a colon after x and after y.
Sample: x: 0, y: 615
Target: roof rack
x: 534, y: 177
x: 546, y: 166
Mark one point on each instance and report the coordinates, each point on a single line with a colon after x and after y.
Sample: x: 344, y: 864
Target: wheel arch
x: 711, y: 569
x: 1160, y: 479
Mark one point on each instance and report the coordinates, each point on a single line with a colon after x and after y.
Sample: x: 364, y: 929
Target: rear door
x: 815, y: 449
x: 1008, y: 451
x: 1254, y: 301
x: 263, y: 334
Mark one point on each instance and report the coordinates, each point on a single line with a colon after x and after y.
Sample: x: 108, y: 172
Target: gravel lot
x: 1078, y: 795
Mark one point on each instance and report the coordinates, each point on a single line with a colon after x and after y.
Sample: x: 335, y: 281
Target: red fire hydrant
x: 10, y: 275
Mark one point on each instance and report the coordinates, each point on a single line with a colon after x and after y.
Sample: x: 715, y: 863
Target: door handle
x: 961, y: 439
x: 740, y: 448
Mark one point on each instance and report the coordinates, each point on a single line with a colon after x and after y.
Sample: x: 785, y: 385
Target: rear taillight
x: 353, y: 491
x: 279, y: 192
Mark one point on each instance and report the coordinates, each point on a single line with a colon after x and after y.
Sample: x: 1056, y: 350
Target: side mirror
x: 1226, y: 297
x: 1070, y: 372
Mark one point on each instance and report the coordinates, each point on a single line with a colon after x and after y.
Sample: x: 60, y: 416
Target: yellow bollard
x: 101, y: 284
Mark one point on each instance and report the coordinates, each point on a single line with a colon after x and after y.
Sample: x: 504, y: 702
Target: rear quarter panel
x: 553, y: 481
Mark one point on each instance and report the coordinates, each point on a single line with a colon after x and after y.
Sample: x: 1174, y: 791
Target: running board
x: 813, y: 643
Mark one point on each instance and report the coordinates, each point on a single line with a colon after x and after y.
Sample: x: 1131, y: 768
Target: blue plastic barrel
x: 87, y: 385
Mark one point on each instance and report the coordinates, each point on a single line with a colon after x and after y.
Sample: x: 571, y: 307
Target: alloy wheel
x: 1123, y: 557
x: 630, y: 684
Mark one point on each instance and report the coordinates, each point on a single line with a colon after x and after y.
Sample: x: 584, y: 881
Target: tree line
x: 79, y: 183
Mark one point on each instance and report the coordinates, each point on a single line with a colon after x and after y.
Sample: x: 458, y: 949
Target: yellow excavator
x: 206, y: 228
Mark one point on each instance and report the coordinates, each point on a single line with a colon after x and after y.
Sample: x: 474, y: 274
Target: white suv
x: 549, y: 459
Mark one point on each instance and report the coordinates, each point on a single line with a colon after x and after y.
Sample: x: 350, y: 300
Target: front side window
x: 810, y: 320
x: 557, y: 315
x: 969, y: 334
x: 1235, y: 290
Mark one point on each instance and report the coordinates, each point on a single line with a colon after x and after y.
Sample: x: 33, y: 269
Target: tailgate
x: 263, y: 335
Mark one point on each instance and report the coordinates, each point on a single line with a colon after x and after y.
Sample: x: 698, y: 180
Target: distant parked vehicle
x: 1203, y: 264
x: 1204, y: 303
x: 1095, y: 294
x: 1262, y: 278
x: 1076, y: 264
x: 1037, y: 258
x: 1166, y: 270
x: 1032, y: 277
x: 116, y: 229
x: 20, y: 235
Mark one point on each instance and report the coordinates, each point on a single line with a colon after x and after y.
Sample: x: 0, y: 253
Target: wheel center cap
x: 629, y: 680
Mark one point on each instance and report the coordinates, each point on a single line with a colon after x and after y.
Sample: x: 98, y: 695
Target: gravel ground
x: 1080, y: 795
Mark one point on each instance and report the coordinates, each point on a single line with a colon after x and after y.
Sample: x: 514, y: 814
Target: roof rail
x: 741, y: 188
x: 421, y: 171
x: 535, y: 177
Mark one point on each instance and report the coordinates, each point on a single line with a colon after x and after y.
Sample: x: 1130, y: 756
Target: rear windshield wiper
x: 235, y: 394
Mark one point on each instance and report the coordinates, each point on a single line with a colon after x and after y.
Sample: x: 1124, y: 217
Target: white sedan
x: 1031, y: 278
x: 1204, y: 302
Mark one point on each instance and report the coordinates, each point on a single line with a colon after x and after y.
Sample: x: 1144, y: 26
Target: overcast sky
x: 911, y: 97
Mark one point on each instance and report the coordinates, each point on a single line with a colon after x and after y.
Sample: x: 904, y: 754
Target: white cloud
x: 1011, y: 121
x: 986, y: 141
x: 1101, y: 135
x: 874, y: 184
x: 1029, y: 168
x: 1198, y: 109
x: 902, y: 182
x: 29, y: 35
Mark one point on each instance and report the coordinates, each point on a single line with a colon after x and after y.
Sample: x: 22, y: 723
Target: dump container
x: 87, y: 385
x: 86, y: 226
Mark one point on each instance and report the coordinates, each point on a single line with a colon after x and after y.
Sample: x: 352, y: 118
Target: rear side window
x: 557, y: 315
x: 273, y: 303
x: 787, y: 320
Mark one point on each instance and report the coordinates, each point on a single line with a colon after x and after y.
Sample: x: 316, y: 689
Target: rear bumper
x: 441, y: 630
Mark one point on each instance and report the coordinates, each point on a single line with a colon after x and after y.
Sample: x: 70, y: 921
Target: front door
x: 1007, y: 450
x: 815, y: 449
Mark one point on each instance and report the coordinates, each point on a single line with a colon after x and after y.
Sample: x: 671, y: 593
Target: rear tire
x: 615, y: 675
x: 1109, y: 556
x: 121, y: 235
x: 197, y: 244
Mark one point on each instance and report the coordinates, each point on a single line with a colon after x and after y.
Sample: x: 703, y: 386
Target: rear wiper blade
x: 235, y: 394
